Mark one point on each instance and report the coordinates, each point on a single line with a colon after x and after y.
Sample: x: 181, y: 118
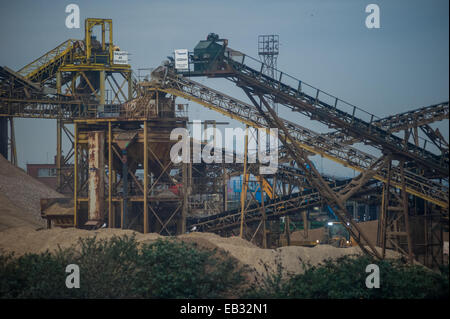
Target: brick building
x: 47, y: 174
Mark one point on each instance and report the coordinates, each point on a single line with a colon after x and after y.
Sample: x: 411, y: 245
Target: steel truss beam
x: 321, y: 106
x: 310, y: 141
x: 402, y: 121
x: 415, y: 118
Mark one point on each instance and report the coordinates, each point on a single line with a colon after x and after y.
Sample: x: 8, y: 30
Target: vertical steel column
x: 96, y: 176
x: 121, y: 214
x: 110, y: 41
x: 305, y: 223
x: 103, y: 37
x: 102, y: 88
x: 4, y: 137
x: 380, y: 219
x: 75, y: 176
x: 244, y: 183
x: 124, y: 187
x: 87, y: 38
x: 263, y: 214
x: 58, y: 82
x: 384, y: 211
x: 427, y: 250
x: 186, y: 188
x: 146, y: 230
x: 225, y: 189
x: 274, y: 187
x: 13, y: 142
x: 58, y: 153
x: 405, y: 213
x: 130, y: 86
x: 287, y: 228
x: 110, y: 173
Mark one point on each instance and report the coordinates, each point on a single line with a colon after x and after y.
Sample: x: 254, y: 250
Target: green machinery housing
x: 208, y: 55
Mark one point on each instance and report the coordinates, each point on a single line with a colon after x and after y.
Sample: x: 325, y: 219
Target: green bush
x: 344, y: 278
x: 118, y: 268
x: 32, y: 276
x: 169, y: 269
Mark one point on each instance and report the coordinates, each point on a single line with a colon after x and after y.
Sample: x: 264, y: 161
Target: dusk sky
x: 401, y: 66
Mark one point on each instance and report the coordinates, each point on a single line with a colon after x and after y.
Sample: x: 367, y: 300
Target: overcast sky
x: 401, y: 66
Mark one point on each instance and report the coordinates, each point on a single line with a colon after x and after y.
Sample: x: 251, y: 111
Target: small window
x: 46, y: 172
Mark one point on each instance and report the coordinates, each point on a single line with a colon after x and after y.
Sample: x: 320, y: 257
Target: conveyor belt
x: 307, y: 139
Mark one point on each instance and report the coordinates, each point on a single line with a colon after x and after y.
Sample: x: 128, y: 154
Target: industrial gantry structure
x: 120, y: 173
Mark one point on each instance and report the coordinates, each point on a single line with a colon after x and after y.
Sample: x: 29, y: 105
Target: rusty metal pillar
x: 110, y: 175
x: 96, y: 182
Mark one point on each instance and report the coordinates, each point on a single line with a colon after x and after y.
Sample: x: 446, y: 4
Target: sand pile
x: 290, y: 257
x: 369, y: 228
x: 20, y: 196
x: 313, y: 235
x: 22, y: 240
x: 11, y: 215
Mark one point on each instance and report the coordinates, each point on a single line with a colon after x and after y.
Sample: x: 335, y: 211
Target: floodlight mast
x: 268, y: 50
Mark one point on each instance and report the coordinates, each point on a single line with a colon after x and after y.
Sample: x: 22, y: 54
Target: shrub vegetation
x: 121, y: 268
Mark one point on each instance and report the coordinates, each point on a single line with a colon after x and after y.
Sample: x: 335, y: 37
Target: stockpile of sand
x: 289, y: 257
x: 20, y: 196
x: 21, y: 240
x: 313, y: 235
x: 11, y: 215
x: 369, y: 228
